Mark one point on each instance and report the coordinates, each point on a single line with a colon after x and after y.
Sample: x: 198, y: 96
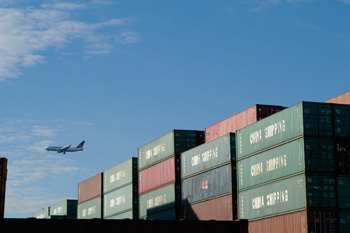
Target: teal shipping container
x: 42, y: 214
x: 65, y: 208
x: 208, y: 185
x: 120, y: 175
x: 209, y: 155
x: 344, y: 192
x: 302, y: 119
x: 90, y: 209
x: 164, y: 215
x: 344, y: 221
x: 301, y: 155
x: 125, y: 215
x: 121, y: 200
x: 341, y: 120
x: 168, y: 145
x: 160, y: 200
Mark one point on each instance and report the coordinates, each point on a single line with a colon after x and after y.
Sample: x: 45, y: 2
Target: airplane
x: 65, y: 149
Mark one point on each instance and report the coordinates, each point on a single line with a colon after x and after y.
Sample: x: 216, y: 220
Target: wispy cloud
x: 43, y: 131
x: 128, y: 38
x: 345, y: 1
x: 260, y: 5
x: 25, y: 33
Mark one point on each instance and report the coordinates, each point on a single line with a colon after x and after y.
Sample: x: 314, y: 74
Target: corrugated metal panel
x: 125, y: 215
x: 276, y: 198
x: 287, y: 223
x: 120, y: 200
x: 90, y: 188
x: 319, y: 155
x: 321, y: 191
x: 208, y: 156
x: 170, y: 144
x: 164, y: 215
x: 219, y: 209
x: 3, y: 178
x: 207, y: 185
x: 322, y: 220
x: 66, y: 207
x: 158, y: 175
x: 240, y: 120
x: 342, y: 156
x: 305, y: 118
x: 42, y: 214
x: 90, y: 209
x: 157, y: 201
x: 341, y: 120
x: 343, y: 192
x: 120, y: 175
x: 344, y: 221
x: 340, y: 99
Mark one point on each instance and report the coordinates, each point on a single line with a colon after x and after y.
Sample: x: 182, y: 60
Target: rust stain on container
x: 240, y: 120
x: 340, y: 99
x: 219, y: 209
x: 158, y: 175
x: 90, y: 188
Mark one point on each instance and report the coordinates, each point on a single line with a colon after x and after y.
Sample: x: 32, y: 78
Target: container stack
x: 159, y: 174
x: 66, y: 209
x: 208, y: 174
x: 289, y: 179
x: 42, y: 214
x: 120, y: 191
x: 240, y: 120
x: 90, y: 198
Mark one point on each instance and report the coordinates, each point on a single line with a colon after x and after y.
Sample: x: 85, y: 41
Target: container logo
x: 270, y: 199
x: 157, y: 201
x: 269, y: 131
x: 205, y: 185
x: 117, y: 176
x: 117, y: 201
x: 58, y: 210
x: 204, y: 157
x: 89, y: 211
x: 155, y: 151
x: 271, y: 165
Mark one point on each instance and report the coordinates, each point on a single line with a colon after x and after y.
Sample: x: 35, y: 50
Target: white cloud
x: 25, y: 33
x: 128, y: 38
x: 345, y: 1
x: 39, y: 146
x: 28, y: 205
x: 43, y: 131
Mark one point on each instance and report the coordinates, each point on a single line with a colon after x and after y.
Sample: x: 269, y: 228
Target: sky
x: 121, y: 73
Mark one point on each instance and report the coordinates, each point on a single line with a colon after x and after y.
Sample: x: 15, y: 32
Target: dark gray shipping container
x: 343, y: 192
x: 168, y: 145
x: 209, y: 155
x: 344, y: 221
x: 120, y: 175
x: 208, y: 185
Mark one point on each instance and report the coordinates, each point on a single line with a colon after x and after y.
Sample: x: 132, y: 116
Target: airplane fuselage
x: 65, y: 149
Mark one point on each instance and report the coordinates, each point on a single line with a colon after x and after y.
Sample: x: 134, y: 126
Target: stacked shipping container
x: 159, y: 174
x: 340, y: 99
x: 286, y: 163
x: 120, y: 191
x: 208, y: 174
x: 90, y: 198
x: 240, y: 120
x: 66, y: 209
x: 42, y: 214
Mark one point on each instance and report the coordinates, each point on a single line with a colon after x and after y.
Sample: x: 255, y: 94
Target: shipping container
x: 164, y: 215
x: 3, y: 178
x: 344, y: 221
x: 240, y: 120
x: 168, y: 145
x: 158, y: 175
x: 65, y: 208
x: 321, y: 191
x: 341, y: 115
x: 121, y: 200
x: 209, y: 155
x: 208, y: 185
x: 160, y: 200
x: 90, y: 209
x: 301, y: 155
x: 42, y: 214
x: 90, y: 188
x: 219, y: 209
x: 322, y: 220
x: 340, y: 99
x: 302, y: 119
x: 343, y: 192
x: 342, y: 156
x: 125, y: 215
x: 120, y: 175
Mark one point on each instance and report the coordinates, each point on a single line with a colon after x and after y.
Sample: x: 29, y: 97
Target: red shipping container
x: 240, y: 120
x: 90, y: 188
x: 220, y: 209
x: 158, y: 175
x: 340, y: 99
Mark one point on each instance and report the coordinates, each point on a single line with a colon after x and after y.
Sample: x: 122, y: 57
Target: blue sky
x: 119, y: 74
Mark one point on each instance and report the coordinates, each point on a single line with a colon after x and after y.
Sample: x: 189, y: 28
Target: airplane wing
x: 63, y: 149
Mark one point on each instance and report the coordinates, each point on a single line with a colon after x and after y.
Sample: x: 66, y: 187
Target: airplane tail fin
x: 81, y: 144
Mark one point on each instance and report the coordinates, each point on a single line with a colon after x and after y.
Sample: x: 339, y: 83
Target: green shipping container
x: 157, y: 201
x: 344, y: 192
x: 42, y: 214
x: 302, y: 119
x: 209, y: 155
x: 171, y: 144
x: 125, y: 215
x: 300, y: 155
x: 121, y: 200
x: 90, y: 209
x: 273, y: 199
x: 344, y: 221
x: 120, y: 175
x: 65, y: 208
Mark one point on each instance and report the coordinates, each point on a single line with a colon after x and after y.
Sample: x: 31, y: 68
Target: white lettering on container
x: 204, y: 157
x: 277, y: 197
x: 258, y: 202
x: 256, y: 169
x: 276, y: 163
x: 120, y: 200
x: 255, y: 137
x: 155, y: 151
x: 275, y: 129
